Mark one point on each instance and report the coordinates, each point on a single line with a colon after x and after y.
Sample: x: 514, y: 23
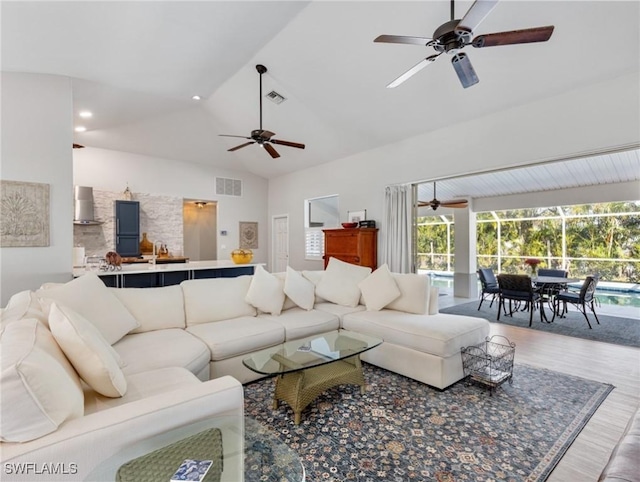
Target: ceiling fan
x: 260, y: 136
x: 435, y: 203
x: 452, y: 36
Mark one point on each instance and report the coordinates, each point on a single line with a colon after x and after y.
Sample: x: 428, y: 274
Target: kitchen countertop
x: 138, y: 268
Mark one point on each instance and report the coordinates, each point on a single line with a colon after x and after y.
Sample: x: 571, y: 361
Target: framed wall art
x: 248, y: 235
x: 24, y: 212
x: 357, y: 216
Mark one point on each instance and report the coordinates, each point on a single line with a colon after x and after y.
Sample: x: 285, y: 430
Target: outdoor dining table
x: 547, y: 283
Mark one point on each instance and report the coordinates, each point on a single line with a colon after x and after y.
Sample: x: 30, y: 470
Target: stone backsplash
x: 160, y: 217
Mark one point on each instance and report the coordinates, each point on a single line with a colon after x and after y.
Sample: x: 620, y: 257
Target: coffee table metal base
x: 299, y: 389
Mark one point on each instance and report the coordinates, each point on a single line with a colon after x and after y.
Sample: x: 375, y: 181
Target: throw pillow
x: 288, y: 302
x: 40, y: 389
x: 379, y: 289
x: 90, y: 354
x: 414, y: 293
x: 299, y: 289
x: 339, y: 284
x: 89, y: 296
x: 265, y: 292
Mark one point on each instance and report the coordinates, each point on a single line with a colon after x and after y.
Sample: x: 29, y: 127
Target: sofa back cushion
x: 153, y: 308
x: 88, y: 296
x: 315, y: 276
x: 24, y: 304
x: 434, y: 297
x: 40, y: 389
x: 414, y: 293
x: 216, y: 299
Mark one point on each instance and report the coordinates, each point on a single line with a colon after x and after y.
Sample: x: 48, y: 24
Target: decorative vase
x: 241, y: 256
x: 146, y: 246
x: 534, y: 270
x: 163, y: 251
x: 127, y: 195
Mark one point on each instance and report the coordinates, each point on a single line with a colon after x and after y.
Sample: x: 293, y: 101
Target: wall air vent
x: 275, y: 97
x: 228, y: 187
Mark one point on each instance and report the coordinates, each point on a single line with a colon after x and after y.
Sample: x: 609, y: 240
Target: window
x: 601, y: 238
x: 319, y: 213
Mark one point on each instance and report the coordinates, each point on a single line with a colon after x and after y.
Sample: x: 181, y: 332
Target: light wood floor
x: 614, y: 364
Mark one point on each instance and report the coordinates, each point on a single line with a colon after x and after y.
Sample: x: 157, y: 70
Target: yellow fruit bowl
x: 241, y: 256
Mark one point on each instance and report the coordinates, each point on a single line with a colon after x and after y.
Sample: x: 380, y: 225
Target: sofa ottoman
x: 423, y: 347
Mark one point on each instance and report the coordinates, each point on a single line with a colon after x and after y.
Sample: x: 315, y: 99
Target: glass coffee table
x: 307, y: 367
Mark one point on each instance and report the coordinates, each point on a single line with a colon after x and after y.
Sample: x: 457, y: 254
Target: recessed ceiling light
x: 85, y: 114
x: 196, y: 97
x: 81, y: 129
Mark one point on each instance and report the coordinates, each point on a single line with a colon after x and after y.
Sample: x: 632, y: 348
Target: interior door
x: 280, y: 251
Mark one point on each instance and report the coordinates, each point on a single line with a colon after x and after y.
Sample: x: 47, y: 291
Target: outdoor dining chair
x: 582, y: 300
x: 489, y: 285
x: 518, y: 288
x: 548, y: 292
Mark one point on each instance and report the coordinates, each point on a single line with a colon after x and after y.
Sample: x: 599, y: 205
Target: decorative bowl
x: 241, y: 256
x: 349, y: 225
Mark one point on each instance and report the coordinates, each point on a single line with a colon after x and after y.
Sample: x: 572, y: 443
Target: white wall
x: 37, y: 126
x: 591, y: 118
x: 109, y: 170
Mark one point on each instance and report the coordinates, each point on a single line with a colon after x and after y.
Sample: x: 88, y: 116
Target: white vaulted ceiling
x: 135, y: 65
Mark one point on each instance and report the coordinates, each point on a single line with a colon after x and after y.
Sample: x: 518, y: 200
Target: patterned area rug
x: 403, y: 430
x: 612, y: 329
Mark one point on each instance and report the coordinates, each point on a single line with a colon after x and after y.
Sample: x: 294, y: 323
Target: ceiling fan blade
x: 287, y: 143
x: 475, y: 15
x: 240, y: 146
x: 457, y: 203
x: 400, y: 39
x: 524, y: 36
x: 413, y: 71
x: 269, y: 148
x: 229, y: 135
x: 464, y: 69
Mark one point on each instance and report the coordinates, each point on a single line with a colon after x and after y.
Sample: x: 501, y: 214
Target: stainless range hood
x: 83, y: 206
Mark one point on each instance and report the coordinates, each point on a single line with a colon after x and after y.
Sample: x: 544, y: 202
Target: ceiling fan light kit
x: 464, y: 69
x: 260, y: 136
x: 452, y: 36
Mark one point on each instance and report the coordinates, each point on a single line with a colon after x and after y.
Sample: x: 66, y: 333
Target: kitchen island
x: 140, y: 275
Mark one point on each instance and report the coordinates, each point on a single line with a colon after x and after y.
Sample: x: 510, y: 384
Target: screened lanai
x: 580, y: 214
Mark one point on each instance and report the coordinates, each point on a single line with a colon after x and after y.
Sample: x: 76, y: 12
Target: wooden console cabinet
x: 356, y: 246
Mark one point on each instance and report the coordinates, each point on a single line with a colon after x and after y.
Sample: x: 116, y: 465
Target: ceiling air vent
x: 275, y: 97
x: 228, y: 187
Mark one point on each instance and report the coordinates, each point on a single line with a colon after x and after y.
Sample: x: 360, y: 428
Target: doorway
x: 199, y: 229
x: 280, y: 252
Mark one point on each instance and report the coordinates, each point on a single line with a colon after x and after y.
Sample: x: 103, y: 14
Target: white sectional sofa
x: 87, y: 370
